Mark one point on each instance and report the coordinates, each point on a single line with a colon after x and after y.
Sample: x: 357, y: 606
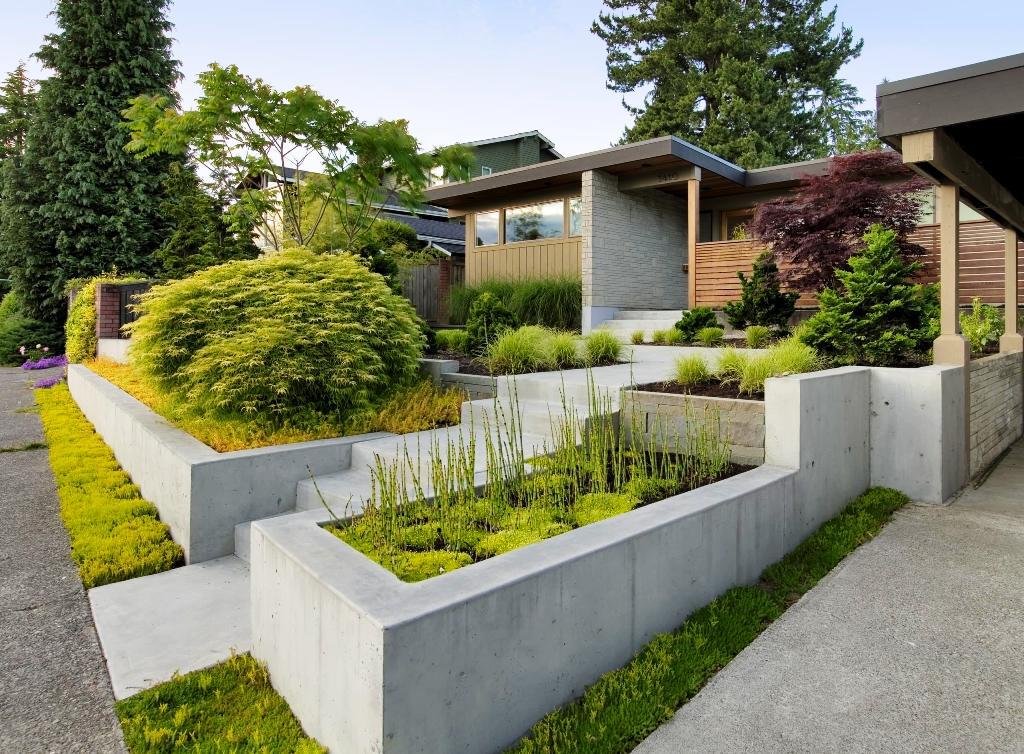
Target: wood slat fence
x: 981, y: 265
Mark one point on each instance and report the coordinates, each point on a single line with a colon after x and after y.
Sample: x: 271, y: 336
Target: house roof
x: 427, y: 229
x: 545, y: 141
x: 975, y: 115
x: 651, y: 157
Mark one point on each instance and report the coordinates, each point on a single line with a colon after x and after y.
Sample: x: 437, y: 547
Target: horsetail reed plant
x: 426, y: 514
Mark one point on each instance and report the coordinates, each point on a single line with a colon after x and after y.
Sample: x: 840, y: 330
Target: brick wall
x: 997, y: 406
x: 634, y: 246
x: 108, y: 316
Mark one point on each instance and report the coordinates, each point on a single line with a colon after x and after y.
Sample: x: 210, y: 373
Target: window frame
x: 503, y: 239
x: 535, y: 203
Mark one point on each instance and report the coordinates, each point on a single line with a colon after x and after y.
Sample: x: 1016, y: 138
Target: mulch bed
x: 708, y: 390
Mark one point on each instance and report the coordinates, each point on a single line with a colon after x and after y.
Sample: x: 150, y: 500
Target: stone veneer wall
x: 634, y: 247
x: 997, y: 406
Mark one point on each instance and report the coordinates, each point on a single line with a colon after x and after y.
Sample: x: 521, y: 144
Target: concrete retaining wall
x: 664, y: 416
x: 445, y: 373
x: 115, y: 349
x: 201, y: 494
x: 468, y: 661
x: 997, y: 397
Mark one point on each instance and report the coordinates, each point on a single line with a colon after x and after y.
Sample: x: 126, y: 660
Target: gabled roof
x: 545, y: 141
x: 427, y: 229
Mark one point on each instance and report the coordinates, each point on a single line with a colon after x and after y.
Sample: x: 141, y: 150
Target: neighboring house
x: 619, y: 218
x: 506, y: 153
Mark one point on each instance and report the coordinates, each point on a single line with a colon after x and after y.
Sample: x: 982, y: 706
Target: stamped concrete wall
x: 201, y: 494
x: 634, y: 247
x: 468, y: 661
x: 663, y: 417
x: 997, y: 396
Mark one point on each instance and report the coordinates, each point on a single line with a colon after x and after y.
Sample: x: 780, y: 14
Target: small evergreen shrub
x: 488, y: 318
x: 877, y: 317
x: 694, y: 320
x: 762, y: 302
x: 637, y: 338
x: 758, y: 336
x: 601, y: 347
x: 710, y: 336
x: 455, y: 341
x: 289, y: 339
x: 691, y: 371
x: 18, y: 330
x: 982, y: 326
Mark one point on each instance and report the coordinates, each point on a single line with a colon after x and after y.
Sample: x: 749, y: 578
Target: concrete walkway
x: 54, y: 692
x: 913, y: 644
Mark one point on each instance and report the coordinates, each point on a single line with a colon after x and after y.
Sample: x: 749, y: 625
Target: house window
x: 534, y: 222
x: 487, y: 228
x: 484, y: 170
x: 734, y: 224
x: 437, y: 176
x: 576, y: 216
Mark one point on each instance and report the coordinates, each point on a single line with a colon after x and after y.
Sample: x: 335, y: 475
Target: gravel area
x: 55, y: 695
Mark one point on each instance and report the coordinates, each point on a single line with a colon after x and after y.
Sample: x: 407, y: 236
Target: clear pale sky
x: 460, y: 71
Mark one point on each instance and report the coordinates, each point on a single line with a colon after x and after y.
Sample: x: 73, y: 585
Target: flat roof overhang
x: 665, y: 163
x: 965, y: 126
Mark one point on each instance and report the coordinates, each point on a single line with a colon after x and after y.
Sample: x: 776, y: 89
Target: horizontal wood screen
x: 555, y: 257
x: 981, y: 265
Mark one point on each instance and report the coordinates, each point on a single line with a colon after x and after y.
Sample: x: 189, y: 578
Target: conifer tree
x: 77, y: 203
x: 754, y: 82
x: 17, y: 99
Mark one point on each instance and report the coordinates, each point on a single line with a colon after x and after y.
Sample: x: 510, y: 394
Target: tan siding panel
x: 555, y: 258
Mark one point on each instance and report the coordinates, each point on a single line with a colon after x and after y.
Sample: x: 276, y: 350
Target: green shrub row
x: 115, y: 534
x: 627, y: 705
x: 556, y: 303
x: 749, y: 371
x: 535, y: 349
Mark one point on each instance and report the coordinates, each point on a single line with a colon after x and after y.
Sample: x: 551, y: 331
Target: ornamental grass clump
x: 601, y: 347
x: 691, y: 371
x: 532, y: 349
x: 758, y: 336
x: 789, y: 356
x: 710, y: 336
x: 452, y: 341
x: 637, y: 338
x: 284, y: 340
x: 731, y: 364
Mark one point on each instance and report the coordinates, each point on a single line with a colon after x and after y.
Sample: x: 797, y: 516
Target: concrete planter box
x: 445, y: 373
x: 664, y: 416
x: 468, y: 661
x: 201, y: 494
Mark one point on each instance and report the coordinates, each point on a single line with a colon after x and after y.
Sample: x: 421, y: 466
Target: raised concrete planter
x: 445, y: 373
x: 201, y: 494
x: 468, y: 661
x: 663, y: 417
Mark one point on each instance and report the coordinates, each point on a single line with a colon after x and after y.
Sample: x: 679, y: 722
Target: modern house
x: 619, y: 218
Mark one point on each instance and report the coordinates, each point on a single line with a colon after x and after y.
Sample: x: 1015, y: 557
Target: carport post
x: 1011, y: 342
x: 950, y: 347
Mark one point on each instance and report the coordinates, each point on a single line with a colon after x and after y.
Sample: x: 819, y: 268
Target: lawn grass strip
x: 115, y: 534
x: 625, y: 706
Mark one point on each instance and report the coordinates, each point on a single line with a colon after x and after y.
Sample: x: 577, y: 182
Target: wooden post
x: 950, y: 347
x: 692, y: 234
x: 1011, y: 342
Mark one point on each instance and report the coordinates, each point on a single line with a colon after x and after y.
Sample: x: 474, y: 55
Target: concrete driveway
x: 913, y: 644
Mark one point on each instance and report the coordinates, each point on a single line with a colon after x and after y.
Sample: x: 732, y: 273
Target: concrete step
x: 173, y: 622
x: 673, y: 314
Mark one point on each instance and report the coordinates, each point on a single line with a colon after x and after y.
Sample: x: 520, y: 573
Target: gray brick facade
x: 997, y: 401
x: 634, y: 247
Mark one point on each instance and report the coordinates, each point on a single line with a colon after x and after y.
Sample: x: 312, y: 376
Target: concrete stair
x: 624, y: 323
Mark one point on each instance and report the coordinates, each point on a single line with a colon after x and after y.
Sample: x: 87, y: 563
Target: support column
x: 950, y: 347
x: 692, y: 234
x: 1011, y: 342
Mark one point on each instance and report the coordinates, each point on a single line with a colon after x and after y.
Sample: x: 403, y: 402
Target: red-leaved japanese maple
x: 814, y: 230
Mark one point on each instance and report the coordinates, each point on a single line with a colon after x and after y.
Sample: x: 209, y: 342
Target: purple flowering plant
x: 46, y: 362
x: 47, y: 382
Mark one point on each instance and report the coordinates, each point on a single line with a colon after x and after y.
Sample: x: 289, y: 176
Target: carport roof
x: 977, y: 115
x: 628, y: 160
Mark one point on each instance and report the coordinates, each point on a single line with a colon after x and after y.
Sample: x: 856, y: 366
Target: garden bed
x: 716, y: 389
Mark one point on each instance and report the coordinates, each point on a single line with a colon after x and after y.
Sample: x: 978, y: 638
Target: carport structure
x: 962, y: 129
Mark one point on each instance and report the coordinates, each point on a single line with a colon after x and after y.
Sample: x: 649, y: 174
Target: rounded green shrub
x: 694, y: 320
x: 289, y: 339
x: 488, y: 318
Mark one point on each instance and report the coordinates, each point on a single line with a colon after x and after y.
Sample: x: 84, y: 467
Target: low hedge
x: 115, y: 534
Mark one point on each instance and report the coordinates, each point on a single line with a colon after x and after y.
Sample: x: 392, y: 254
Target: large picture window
x: 487, y: 228
x: 534, y: 222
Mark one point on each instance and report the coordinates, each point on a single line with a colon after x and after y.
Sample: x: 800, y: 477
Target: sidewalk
x: 54, y: 692
x: 913, y: 644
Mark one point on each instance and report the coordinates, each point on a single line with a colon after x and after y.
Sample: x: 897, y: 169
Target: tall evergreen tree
x: 754, y: 81
x: 17, y: 99
x: 78, y: 203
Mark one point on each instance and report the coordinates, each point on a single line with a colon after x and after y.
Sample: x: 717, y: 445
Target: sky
x: 461, y: 71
